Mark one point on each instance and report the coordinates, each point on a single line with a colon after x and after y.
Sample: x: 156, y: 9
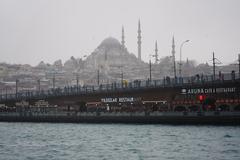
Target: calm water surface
x: 41, y: 141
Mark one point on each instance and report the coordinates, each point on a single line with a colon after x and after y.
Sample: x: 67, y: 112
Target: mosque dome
x: 110, y: 43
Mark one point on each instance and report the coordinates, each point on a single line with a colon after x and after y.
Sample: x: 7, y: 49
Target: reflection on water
x: 117, y: 141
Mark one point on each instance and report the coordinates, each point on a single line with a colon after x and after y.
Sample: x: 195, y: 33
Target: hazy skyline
x: 48, y: 30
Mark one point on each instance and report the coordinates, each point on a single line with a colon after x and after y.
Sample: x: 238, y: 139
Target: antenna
x: 214, y: 65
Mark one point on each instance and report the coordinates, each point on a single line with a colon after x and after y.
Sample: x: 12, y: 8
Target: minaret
x: 139, y: 40
x: 123, y: 41
x: 156, y: 53
x: 173, y: 56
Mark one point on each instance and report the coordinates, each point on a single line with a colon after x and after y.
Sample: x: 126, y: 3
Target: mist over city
x: 119, y: 79
x: 35, y: 31
x: 62, y: 39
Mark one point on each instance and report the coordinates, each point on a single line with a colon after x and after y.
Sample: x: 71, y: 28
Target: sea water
x: 61, y: 141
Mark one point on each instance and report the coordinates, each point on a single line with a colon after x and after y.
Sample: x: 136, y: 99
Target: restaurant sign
x: 208, y: 90
x: 120, y: 99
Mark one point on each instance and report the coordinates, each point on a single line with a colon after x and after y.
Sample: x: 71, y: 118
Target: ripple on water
x: 227, y: 136
x: 40, y: 141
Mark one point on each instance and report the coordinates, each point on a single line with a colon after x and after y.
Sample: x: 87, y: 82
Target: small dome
x: 110, y: 43
x: 41, y: 64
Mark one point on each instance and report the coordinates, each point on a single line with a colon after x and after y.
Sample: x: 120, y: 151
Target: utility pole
x: 39, y: 87
x: 54, y: 81
x: 214, y: 67
x: 150, y: 70
x: 77, y: 81
x: 173, y: 57
x: 77, y: 77
x: 156, y: 53
x: 180, y: 62
x: 6, y: 92
x: 122, y: 78
x: 17, y: 81
x: 98, y: 77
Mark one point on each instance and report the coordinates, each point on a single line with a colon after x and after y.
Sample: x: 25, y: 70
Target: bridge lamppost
x: 180, y: 61
x: 121, y: 75
x: 214, y: 59
x: 150, y: 67
x: 239, y: 66
x: 77, y: 81
x: 54, y: 80
x: 76, y: 73
x: 39, y: 85
x: 121, y: 78
x: 6, y: 93
x: 98, y: 77
x: 17, y: 82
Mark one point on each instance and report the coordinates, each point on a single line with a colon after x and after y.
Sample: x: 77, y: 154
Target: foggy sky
x: 48, y: 30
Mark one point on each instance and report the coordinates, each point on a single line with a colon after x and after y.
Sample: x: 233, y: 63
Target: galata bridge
x: 168, y: 94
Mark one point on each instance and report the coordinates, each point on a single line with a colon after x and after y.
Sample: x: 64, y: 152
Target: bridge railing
x: 133, y: 85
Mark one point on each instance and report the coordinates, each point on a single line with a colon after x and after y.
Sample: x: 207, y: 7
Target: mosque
x: 111, y: 62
